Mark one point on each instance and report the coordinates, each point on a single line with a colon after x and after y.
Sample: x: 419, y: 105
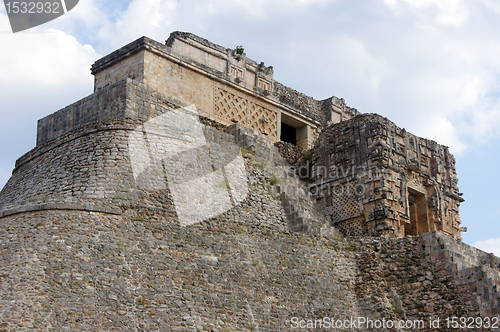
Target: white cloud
x: 490, y: 246
x: 452, y: 12
x: 492, y: 5
x: 41, y: 72
x: 368, y: 69
x: 88, y: 12
x: 42, y: 65
x: 481, y: 121
x: 441, y: 130
x: 340, y: 59
x: 59, y: 59
x: 142, y: 17
x: 40, y: 69
x: 440, y: 80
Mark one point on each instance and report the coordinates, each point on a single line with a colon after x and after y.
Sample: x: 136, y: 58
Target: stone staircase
x: 304, y: 214
x: 472, y: 270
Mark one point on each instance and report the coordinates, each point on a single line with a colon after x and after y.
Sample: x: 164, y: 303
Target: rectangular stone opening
x: 288, y: 133
x: 295, y: 131
x: 417, y: 205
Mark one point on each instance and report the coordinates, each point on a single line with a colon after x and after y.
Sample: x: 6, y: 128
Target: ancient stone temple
x: 370, y: 176
x: 225, y: 86
x: 385, y: 180
x: 193, y: 192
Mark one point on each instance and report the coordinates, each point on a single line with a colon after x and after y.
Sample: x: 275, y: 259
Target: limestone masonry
x: 193, y: 192
x: 373, y: 178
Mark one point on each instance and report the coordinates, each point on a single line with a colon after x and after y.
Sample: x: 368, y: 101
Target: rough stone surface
x: 85, y: 271
x: 89, y: 244
x: 292, y: 153
x: 373, y: 177
x: 225, y: 86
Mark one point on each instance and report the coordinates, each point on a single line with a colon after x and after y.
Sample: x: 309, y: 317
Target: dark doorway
x: 288, y: 134
x: 418, y: 214
x: 411, y: 228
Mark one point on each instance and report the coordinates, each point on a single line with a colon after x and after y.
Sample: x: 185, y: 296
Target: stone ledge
x: 185, y: 36
x: 123, y: 118
x: 124, y: 52
x: 60, y: 206
x: 289, y: 99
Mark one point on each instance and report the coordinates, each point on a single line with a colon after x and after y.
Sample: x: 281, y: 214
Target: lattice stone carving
x: 263, y: 120
x: 231, y: 106
x: 344, y: 199
x: 352, y: 227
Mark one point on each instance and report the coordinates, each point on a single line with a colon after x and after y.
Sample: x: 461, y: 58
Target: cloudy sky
x: 431, y: 66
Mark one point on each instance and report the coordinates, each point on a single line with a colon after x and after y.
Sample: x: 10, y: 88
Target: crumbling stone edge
x: 61, y: 206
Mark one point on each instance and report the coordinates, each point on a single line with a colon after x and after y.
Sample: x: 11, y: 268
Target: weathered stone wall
x: 84, y: 271
x: 91, y: 237
x: 427, y: 277
x: 101, y: 174
x: 97, y: 172
x: 198, y: 50
x: 172, y: 79
x: 240, y: 271
x: 230, y: 105
x: 102, y: 106
x: 225, y: 86
x: 473, y: 272
x: 368, y: 171
x: 132, y: 66
x: 117, y: 258
x: 291, y: 153
x: 300, y: 102
x: 196, y: 74
x: 335, y: 110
